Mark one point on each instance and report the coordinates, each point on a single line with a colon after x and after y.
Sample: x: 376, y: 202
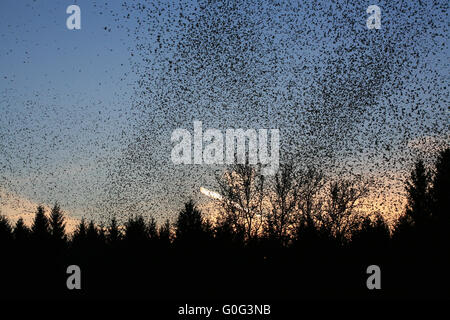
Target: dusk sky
x: 87, y: 115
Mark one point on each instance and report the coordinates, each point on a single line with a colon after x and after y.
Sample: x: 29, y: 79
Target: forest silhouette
x: 310, y: 244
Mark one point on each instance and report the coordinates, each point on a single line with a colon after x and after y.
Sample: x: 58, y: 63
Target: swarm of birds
x: 345, y: 98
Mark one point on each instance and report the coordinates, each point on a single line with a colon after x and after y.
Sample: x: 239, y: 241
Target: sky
x: 63, y: 99
x: 87, y: 115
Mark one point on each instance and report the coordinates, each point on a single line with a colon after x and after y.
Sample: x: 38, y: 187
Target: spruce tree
x: 6, y: 235
x: 114, y: 235
x: 79, y: 236
x: 57, y: 225
x: 440, y: 189
x: 21, y: 231
x: 418, y: 198
x: 40, y: 230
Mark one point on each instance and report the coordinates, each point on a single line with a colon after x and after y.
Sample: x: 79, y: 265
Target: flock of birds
x: 346, y: 99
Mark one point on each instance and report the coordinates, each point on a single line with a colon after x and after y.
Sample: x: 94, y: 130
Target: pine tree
x: 440, y: 189
x: 164, y: 234
x: 21, y: 232
x: 114, y: 235
x: 40, y: 230
x: 92, y: 233
x: 101, y: 231
x: 152, y: 229
x: 57, y: 225
x: 79, y: 236
x: 189, y: 225
x: 6, y: 235
x: 440, y: 197
x: 418, y: 199
x: 136, y: 230
x: 372, y: 234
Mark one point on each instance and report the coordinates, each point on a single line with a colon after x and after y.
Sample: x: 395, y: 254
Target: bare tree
x: 242, y: 189
x: 280, y: 219
x: 340, y: 215
x: 309, y: 201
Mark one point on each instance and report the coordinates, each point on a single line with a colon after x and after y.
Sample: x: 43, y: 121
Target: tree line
x: 297, y: 233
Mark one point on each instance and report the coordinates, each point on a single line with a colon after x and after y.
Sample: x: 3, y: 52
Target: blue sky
x: 63, y: 93
x: 75, y: 126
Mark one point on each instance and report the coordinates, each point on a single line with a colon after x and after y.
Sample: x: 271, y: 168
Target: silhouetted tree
x: 418, y: 198
x: 242, y: 188
x: 40, y: 229
x: 227, y: 234
x: 340, y: 216
x: 309, y: 204
x: 165, y: 234
x: 280, y: 220
x: 439, y: 195
x: 114, y: 235
x: 413, y: 228
x: 92, y: 233
x: 21, y: 232
x: 79, y: 237
x: 136, y: 230
x: 373, y: 233
x: 152, y: 229
x: 190, y: 227
x: 403, y: 230
x: 57, y: 226
x: 6, y: 235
